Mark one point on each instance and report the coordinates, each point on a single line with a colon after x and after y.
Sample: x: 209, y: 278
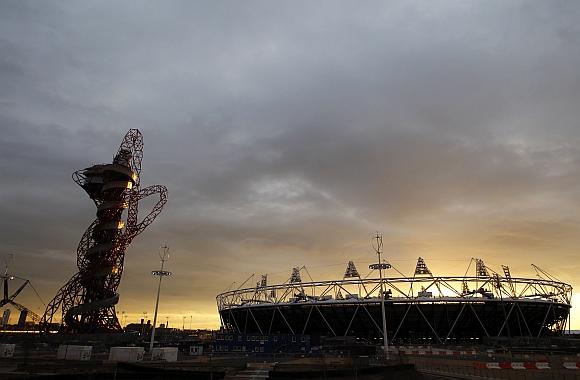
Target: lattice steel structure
x: 8, y: 299
x: 437, y: 308
x: 87, y: 301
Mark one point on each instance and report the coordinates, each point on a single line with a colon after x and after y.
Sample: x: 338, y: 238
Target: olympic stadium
x: 441, y: 309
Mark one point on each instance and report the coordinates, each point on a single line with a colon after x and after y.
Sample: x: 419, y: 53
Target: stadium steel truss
x: 87, y: 301
x: 441, y: 309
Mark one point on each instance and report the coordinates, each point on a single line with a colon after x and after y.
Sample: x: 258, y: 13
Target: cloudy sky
x: 288, y: 132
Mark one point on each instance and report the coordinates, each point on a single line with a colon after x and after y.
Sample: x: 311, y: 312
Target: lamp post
x: 378, y: 246
x: 160, y: 273
x: 183, y: 323
x: 143, y: 322
x: 190, y: 320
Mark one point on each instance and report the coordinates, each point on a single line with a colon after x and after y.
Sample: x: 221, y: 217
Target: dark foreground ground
x: 34, y: 359
x: 206, y: 368
x: 43, y: 365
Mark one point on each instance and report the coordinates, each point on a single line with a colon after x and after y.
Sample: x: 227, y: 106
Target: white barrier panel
x: 570, y: 365
x: 7, y: 350
x: 79, y: 352
x: 518, y: 365
x: 195, y: 350
x: 73, y: 352
x: 126, y: 354
x: 169, y: 354
x: 435, y: 351
x: 61, y: 353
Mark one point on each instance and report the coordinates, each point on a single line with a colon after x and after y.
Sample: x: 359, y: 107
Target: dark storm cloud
x: 287, y: 132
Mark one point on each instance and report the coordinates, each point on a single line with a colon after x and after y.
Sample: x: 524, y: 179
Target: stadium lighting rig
x: 378, y: 247
x: 163, y: 255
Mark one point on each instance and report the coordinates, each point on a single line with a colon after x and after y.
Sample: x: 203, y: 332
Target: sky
x: 287, y: 133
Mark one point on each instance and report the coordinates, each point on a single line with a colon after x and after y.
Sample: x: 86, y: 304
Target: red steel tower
x: 87, y: 301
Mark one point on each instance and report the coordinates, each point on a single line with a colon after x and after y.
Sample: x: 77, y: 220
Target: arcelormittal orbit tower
x: 87, y: 301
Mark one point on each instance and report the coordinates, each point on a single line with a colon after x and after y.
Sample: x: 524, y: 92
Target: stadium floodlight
x: 378, y: 246
x: 381, y: 266
x: 160, y: 273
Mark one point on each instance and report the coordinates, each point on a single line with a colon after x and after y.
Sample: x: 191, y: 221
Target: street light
x: 378, y: 246
x: 183, y: 323
x: 160, y: 273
